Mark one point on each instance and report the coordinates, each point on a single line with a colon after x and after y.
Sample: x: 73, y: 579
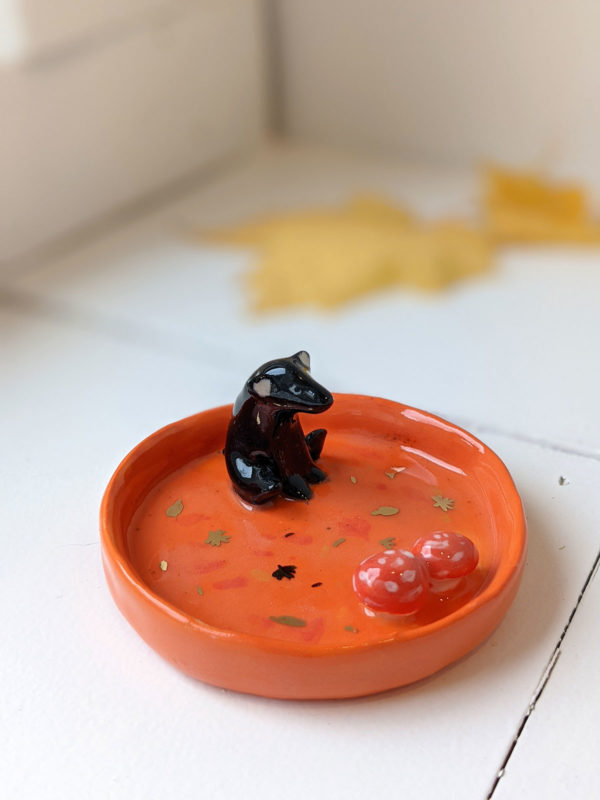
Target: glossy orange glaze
x: 238, y: 590
x: 161, y: 564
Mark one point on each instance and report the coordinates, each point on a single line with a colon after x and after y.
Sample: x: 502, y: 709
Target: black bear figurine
x: 266, y: 451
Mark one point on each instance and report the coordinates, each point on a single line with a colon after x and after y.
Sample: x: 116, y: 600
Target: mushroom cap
x: 446, y: 555
x: 392, y: 581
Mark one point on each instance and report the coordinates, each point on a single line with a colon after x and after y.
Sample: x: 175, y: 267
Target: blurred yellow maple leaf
x: 328, y: 257
x: 524, y: 207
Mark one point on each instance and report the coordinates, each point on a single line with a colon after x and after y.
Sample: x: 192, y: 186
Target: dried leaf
x: 293, y: 622
x: 385, y: 511
x: 330, y: 256
x: 217, y: 538
x: 175, y: 510
x: 525, y: 207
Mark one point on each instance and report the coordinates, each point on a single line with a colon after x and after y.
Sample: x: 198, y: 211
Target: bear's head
x: 288, y: 384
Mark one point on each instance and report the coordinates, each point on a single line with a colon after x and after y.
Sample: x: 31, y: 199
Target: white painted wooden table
x: 112, y: 339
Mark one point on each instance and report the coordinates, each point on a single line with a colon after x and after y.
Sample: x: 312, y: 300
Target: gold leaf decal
x: 385, y: 511
x: 388, y: 543
x: 338, y: 542
x: 217, y: 538
x: 445, y: 503
x: 293, y: 622
x: 174, y: 510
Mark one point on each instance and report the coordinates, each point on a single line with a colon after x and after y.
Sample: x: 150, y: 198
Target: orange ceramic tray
x: 191, y: 566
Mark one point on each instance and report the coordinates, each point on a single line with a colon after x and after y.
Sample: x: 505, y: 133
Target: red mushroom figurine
x: 448, y: 558
x: 392, y: 582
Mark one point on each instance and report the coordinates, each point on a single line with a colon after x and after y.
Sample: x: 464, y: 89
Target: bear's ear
x: 262, y: 387
x: 303, y: 358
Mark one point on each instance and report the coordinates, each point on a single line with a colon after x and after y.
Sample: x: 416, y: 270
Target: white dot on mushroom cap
x: 443, y: 573
x: 409, y: 575
x: 381, y: 560
x: 369, y: 576
x: 438, y: 536
x: 417, y: 590
x: 457, y: 556
x: 391, y: 586
x: 389, y: 552
x: 399, y: 562
x: 436, y: 544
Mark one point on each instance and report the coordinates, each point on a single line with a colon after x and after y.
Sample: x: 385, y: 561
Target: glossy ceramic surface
x: 266, y: 451
x: 261, y: 599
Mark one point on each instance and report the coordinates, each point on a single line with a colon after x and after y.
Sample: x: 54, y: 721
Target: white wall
x: 449, y: 80
x: 35, y: 29
x: 103, y: 103
x: 91, y: 119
